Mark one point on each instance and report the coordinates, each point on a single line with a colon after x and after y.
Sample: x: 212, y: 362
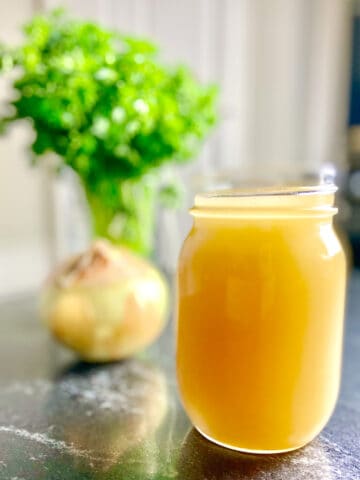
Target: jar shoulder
x: 265, y: 240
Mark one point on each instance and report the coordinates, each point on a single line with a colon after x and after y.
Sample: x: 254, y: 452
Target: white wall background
x: 282, y: 66
x: 23, y: 261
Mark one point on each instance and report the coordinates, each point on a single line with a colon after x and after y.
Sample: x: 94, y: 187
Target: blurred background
x: 288, y: 73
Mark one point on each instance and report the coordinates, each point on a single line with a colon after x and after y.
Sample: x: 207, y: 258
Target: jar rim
x: 328, y: 188
x: 307, y: 199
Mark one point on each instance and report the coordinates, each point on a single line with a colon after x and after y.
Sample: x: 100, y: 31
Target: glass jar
x: 261, y: 290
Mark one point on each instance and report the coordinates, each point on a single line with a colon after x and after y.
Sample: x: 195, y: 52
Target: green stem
x: 130, y: 221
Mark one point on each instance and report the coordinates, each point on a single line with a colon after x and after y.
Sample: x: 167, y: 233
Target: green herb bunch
x: 104, y: 104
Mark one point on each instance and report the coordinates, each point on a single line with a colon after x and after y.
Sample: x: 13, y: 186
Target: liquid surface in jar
x: 259, y: 334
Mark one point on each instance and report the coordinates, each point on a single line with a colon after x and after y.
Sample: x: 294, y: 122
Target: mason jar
x: 261, y: 290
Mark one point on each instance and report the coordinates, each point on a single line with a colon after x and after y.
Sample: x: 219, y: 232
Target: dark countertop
x: 65, y: 420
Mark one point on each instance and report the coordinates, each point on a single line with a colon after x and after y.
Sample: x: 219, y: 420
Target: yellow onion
x: 105, y: 303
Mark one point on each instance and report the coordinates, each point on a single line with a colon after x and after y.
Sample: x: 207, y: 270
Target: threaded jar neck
x: 289, y: 201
